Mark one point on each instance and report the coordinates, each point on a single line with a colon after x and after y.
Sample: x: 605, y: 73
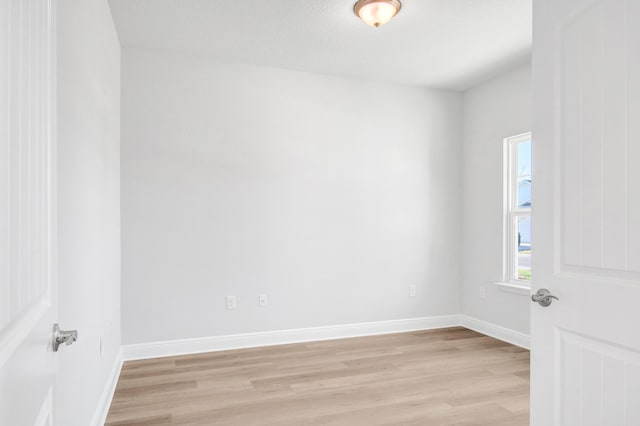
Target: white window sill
x: 516, y: 288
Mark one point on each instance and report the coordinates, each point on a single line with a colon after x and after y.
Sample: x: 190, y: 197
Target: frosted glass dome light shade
x: 377, y: 12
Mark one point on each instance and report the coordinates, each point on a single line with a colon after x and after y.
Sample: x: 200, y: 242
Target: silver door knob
x: 63, y: 336
x: 543, y: 297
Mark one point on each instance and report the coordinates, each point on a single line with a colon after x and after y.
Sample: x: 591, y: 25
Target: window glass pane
x: 524, y: 192
x: 524, y: 174
x: 523, y: 259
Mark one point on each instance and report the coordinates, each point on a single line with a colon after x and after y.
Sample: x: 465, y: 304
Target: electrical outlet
x: 413, y: 289
x: 483, y: 292
x: 101, y: 349
x: 231, y: 302
x: 262, y: 300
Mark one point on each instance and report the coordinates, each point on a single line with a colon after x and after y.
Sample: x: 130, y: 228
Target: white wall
x: 492, y: 112
x: 88, y: 204
x: 330, y: 195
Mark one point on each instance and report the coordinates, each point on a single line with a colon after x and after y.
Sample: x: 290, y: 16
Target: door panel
x: 595, y: 370
x: 586, y: 346
x: 592, y: 140
x: 633, y: 132
x: 27, y: 222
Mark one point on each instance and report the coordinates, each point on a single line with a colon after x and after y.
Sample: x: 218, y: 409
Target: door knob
x: 543, y: 297
x: 63, y: 336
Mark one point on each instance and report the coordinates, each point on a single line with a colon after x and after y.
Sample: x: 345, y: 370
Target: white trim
x: 270, y: 338
x: 514, y: 288
x: 301, y: 335
x: 511, y: 211
x: 100, y: 415
x: 498, y: 332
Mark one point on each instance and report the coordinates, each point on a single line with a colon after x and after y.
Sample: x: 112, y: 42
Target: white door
x: 586, y: 213
x: 27, y: 231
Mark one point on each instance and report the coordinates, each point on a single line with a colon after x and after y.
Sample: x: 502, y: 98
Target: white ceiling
x: 450, y: 44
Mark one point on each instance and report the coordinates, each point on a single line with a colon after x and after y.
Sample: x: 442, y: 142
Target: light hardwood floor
x: 433, y: 378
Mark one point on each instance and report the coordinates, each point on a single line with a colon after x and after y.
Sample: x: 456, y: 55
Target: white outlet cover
x: 413, y: 290
x: 262, y: 300
x: 231, y: 302
x: 483, y: 292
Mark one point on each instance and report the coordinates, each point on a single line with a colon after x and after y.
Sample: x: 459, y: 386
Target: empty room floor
x: 450, y: 376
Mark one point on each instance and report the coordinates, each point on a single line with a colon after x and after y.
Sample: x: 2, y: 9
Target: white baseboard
x: 501, y: 333
x: 270, y: 338
x: 102, y: 410
x: 300, y: 335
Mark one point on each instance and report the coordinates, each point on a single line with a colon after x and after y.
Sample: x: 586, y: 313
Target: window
x: 517, y: 189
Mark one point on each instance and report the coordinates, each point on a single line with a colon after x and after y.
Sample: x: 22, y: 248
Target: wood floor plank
x: 438, y: 378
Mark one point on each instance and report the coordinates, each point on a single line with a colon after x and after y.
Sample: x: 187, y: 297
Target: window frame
x: 511, y: 211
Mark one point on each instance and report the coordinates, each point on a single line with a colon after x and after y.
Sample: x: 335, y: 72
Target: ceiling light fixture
x: 377, y: 12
